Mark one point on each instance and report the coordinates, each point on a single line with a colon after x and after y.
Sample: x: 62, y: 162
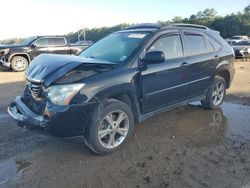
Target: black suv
x: 124, y: 78
x: 18, y: 57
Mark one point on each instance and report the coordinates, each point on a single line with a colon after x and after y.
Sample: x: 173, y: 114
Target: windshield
x: 117, y: 47
x: 243, y: 43
x: 28, y: 40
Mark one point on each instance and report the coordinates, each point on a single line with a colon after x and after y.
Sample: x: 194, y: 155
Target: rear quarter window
x: 209, y: 46
x: 214, y: 43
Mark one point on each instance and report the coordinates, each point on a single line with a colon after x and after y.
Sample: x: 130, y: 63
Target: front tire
x: 215, y: 94
x: 19, y: 63
x: 112, y: 130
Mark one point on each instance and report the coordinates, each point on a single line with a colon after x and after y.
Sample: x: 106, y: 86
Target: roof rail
x: 188, y: 25
x: 144, y: 25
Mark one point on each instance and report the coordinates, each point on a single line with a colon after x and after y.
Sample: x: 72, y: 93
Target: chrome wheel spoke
x: 103, y: 133
x: 111, y: 141
x: 221, y: 88
x: 109, y: 119
x: 120, y: 118
x: 122, y: 131
x: 215, y: 99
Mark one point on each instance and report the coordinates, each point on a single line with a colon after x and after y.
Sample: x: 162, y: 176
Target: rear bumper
x: 63, y: 121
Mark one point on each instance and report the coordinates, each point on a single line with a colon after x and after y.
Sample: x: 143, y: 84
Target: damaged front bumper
x: 4, y: 62
x: 64, y: 121
x: 23, y: 115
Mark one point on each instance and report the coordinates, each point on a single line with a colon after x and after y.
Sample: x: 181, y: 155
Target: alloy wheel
x: 19, y: 64
x: 218, y: 93
x: 113, y: 129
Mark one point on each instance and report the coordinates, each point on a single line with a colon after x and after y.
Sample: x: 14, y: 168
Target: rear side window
x: 170, y: 45
x: 58, y: 41
x: 195, y: 44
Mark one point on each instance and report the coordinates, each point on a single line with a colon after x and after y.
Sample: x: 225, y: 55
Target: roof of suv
x: 155, y: 26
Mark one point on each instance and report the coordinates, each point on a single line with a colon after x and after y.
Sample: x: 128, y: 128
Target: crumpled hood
x: 47, y: 68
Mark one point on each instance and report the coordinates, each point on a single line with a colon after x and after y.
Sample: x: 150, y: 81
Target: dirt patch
x: 240, y: 90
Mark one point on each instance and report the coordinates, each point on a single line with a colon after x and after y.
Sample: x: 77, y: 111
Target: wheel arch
x: 25, y: 55
x: 226, y: 75
x: 126, y: 94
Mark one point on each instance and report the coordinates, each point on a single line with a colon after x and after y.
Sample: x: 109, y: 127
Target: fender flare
x: 16, y: 54
x: 126, y: 89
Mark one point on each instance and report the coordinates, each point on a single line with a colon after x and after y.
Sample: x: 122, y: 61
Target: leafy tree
x: 177, y: 19
x: 247, y: 9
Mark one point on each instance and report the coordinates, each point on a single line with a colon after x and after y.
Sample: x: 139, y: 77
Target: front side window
x: 117, y: 47
x: 28, y: 41
x: 170, y: 45
x: 42, y: 42
x: 195, y: 44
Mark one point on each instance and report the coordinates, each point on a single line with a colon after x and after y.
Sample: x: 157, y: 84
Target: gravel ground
x: 185, y: 147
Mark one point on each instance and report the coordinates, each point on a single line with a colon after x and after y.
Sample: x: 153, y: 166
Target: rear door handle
x: 184, y: 64
x: 216, y: 58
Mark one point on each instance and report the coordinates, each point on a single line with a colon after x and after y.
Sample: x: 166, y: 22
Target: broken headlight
x: 62, y: 94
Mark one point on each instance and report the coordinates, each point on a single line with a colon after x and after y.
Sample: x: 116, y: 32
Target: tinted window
x: 59, y: 41
x: 195, y: 44
x: 171, y: 46
x: 42, y: 42
x: 215, y: 44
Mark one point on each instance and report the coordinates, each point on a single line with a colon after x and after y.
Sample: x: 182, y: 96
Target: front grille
x: 35, y: 87
x: 37, y: 106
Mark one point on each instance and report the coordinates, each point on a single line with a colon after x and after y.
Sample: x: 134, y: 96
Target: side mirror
x: 33, y: 45
x: 154, y: 57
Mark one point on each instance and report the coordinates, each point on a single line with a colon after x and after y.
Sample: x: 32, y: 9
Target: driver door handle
x: 216, y: 58
x: 184, y: 64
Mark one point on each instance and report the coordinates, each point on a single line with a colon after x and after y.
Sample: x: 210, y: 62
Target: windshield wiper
x: 92, y: 57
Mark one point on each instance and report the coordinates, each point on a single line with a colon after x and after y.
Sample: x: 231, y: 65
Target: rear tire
x: 215, y: 94
x: 112, y: 130
x: 19, y: 63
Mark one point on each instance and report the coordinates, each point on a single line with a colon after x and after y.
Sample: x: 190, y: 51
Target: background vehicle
x: 18, y: 57
x: 84, y: 42
x: 125, y: 78
x: 236, y: 38
x: 242, y: 49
